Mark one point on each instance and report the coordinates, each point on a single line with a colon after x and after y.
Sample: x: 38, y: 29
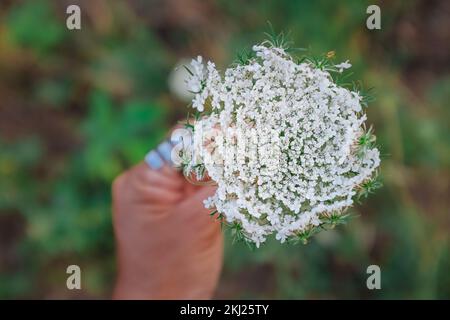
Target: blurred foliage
x: 78, y: 107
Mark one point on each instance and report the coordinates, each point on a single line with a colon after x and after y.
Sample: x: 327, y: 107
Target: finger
x: 157, y: 178
x: 163, y: 180
x: 195, y: 201
x: 194, y: 213
x: 158, y: 195
x: 170, y: 171
x: 166, y: 170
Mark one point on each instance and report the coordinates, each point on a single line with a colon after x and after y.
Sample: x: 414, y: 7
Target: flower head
x: 280, y: 140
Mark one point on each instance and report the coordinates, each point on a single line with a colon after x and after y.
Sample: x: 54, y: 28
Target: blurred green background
x: 78, y: 107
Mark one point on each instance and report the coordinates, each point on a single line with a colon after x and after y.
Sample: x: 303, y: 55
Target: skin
x: 168, y: 247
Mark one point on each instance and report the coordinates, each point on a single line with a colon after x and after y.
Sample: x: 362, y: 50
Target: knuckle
x: 173, y: 197
x: 118, y: 184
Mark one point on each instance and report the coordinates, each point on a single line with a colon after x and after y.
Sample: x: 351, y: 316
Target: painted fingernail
x: 165, y: 150
x: 153, y: 160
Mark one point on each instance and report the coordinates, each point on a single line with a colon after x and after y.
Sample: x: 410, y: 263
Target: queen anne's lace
x: 280, y: 141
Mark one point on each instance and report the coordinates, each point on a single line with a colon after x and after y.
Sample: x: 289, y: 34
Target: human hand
x: 168, y: 246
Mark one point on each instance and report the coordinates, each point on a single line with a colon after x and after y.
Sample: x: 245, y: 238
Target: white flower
x: 280, y: 142
x: 343, y: 65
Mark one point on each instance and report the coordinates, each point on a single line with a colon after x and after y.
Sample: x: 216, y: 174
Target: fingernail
x: 165, y: 150
x: 153, y: 160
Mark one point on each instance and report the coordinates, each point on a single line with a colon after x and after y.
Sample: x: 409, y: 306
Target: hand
x: 168, y: 245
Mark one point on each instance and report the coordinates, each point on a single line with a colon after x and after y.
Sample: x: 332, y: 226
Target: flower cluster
x: 284, y: 143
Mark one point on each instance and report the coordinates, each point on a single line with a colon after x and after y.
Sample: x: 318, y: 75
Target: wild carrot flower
x: 285, y: 144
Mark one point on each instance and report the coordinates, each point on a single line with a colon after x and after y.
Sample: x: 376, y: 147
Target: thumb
x: 197, y: 196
